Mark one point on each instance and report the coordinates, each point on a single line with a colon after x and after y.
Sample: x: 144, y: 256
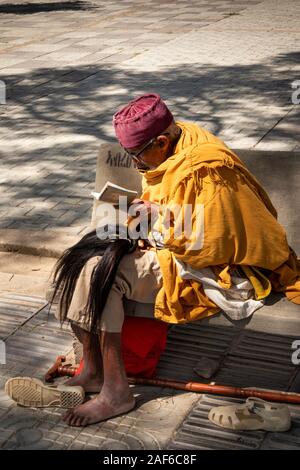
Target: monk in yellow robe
x: 232, y: 226
x: 187, y: 165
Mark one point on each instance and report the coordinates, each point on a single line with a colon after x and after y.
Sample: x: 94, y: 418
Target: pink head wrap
x: 141, y: 120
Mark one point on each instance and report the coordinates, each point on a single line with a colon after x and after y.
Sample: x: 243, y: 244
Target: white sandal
x: 253, y: 415
x: 27, y: 391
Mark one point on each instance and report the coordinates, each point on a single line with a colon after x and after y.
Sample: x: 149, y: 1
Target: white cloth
x: 238, y: 302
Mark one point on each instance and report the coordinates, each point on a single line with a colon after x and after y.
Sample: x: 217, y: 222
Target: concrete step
x: 25, y: 274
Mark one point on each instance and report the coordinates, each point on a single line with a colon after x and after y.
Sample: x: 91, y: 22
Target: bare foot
x: 99, y: 409
x: 90, y: 382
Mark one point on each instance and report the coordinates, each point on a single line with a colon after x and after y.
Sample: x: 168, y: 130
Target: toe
x: 74, y: 420
x: 69, y: 419
x: 67, y: 415
x: 78, y: 421
x: 85, y: 421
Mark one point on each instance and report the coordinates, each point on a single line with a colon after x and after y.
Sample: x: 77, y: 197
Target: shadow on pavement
x: 59, y: 116
x: 30, y: 8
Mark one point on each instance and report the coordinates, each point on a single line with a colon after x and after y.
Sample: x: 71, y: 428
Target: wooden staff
x: 269, y: 395
x: 58, y: 370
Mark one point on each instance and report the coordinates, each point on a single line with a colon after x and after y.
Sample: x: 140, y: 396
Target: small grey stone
x: 206, y: 367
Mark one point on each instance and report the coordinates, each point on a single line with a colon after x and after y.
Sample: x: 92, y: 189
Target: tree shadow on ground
x: 56, y: 118
x: 207, y: 93
x: 31, y: 8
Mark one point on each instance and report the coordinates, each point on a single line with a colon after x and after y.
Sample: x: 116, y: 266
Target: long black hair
x: 72, y: 261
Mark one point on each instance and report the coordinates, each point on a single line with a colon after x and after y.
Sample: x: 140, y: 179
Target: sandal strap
x: 261, y: 407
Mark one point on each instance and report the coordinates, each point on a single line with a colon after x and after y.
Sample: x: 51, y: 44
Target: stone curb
x: 37, y: 242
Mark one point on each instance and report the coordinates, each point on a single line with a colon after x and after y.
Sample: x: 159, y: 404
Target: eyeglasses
x: 136, y: 156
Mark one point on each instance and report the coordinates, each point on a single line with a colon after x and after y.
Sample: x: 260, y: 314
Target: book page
x: 111, y: 193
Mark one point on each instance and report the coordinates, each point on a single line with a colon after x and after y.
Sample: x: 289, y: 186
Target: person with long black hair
x: 92, y: 277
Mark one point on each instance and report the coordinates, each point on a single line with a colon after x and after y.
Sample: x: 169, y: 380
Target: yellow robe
x: 240, y: 227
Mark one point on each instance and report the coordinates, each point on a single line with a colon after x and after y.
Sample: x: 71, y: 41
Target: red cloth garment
x: 143, y: 342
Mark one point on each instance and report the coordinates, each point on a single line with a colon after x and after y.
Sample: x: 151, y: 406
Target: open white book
x: 111, y: 193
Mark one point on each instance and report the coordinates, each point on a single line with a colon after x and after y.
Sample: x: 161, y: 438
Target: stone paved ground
x: 67, y: 66
x: 164, y: 418
x: 226, y: 64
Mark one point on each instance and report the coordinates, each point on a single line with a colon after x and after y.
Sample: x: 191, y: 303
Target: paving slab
x: 164, y: 418
x: 37, y: 242
x: 31, y: 349
x: 228, y: 66
x: 197, y: 433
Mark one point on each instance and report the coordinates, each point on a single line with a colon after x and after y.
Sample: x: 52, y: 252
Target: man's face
x: 152, y: 153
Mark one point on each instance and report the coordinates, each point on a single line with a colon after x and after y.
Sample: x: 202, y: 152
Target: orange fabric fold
x: 238, y: 226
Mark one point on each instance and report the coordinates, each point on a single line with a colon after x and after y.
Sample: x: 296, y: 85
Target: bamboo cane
x: 270, y: 395
x: 58, y: 370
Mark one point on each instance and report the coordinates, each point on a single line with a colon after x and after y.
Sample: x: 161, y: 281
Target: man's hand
x: 142, y: 210
x: 144, y: 245
x: 142, y: 214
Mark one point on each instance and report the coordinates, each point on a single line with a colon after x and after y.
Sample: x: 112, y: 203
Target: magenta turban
x: 141, y: 120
